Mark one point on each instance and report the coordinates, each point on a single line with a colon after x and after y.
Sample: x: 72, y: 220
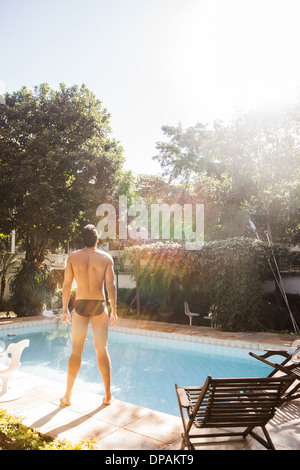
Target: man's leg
x: 79, y: 331
x: 100, y: 328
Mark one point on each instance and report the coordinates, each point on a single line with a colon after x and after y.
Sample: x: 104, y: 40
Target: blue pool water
x: 144, y: 369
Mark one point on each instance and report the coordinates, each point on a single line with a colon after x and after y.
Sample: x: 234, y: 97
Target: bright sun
x: 234, y: 53
x: 261, y: 49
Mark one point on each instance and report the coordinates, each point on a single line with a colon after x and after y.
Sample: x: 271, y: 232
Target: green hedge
x: 228, y: 274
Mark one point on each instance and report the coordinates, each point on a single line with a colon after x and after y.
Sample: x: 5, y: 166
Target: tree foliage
x: 249, y: 167
x: 58, y: 163
x: 186, y: 153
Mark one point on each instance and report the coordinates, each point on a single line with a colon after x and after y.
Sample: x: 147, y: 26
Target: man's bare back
x: 90, y: 267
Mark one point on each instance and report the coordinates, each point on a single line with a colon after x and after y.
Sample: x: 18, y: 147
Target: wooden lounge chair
x: 230, y: 403
x: 289, y: 366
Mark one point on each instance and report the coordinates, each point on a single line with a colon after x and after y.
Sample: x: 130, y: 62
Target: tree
x: 190, y: 159
x: 249, y: 167
x: 261, y: 154
x: 8, y: 263
x: 58, y: 163
x: 186, y: 153
x: 154, y: 189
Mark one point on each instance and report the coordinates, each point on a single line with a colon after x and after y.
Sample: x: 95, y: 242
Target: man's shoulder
x: 74, y: 254
x: 104, y: 255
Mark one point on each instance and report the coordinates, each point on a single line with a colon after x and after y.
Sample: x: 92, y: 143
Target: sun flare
x: 235, y: 54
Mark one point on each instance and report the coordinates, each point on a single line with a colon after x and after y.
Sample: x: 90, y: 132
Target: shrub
x: 124, y: 295
x: 232, y: 273
x: 159, y: 273
x: 57, y: 300
x: 227, y: 274
x: 14, y: 435
x: 31, y: 287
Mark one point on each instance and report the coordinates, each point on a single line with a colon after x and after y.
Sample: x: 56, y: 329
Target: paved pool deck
x: 124, y: 426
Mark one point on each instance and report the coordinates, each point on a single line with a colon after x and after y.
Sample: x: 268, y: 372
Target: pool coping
x: 257, y: 341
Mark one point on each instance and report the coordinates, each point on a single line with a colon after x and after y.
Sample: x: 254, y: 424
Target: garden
x: 59, y: 161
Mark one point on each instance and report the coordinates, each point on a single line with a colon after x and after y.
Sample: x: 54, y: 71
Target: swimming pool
x: 144, y: 368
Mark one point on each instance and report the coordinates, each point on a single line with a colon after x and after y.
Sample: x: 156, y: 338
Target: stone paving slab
x: 123, y: 426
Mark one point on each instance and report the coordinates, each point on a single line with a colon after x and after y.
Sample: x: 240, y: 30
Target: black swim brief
x: 89, y: 308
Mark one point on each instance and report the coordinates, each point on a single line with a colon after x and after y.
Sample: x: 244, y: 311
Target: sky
x: 155, y: 62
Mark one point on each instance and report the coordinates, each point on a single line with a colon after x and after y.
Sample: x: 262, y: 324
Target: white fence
x: 291, y: 283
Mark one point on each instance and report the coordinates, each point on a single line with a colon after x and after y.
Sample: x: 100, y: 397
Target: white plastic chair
x: 48, y: 313
x: 189, y: 313
x: 8, y: 366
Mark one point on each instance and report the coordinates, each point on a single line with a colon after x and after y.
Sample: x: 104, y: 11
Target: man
x: 89, y: 267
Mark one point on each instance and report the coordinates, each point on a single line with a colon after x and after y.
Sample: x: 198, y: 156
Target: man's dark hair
x: 89, y: 235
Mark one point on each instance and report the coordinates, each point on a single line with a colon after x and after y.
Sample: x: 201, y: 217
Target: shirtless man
x: 90, y: 267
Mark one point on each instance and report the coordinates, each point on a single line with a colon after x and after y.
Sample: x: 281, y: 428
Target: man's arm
x: 111, y: 290
x: 67, y: 286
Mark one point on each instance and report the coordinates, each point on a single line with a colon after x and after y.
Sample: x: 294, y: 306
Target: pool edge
x: 178, y: 333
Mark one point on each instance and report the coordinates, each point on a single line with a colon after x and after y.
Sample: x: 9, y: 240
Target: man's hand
x: 66, y: 318
x: 113, y: 318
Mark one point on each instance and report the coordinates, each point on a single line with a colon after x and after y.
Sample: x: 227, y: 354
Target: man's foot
x: 107, y: 400
x: 64, y: 402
